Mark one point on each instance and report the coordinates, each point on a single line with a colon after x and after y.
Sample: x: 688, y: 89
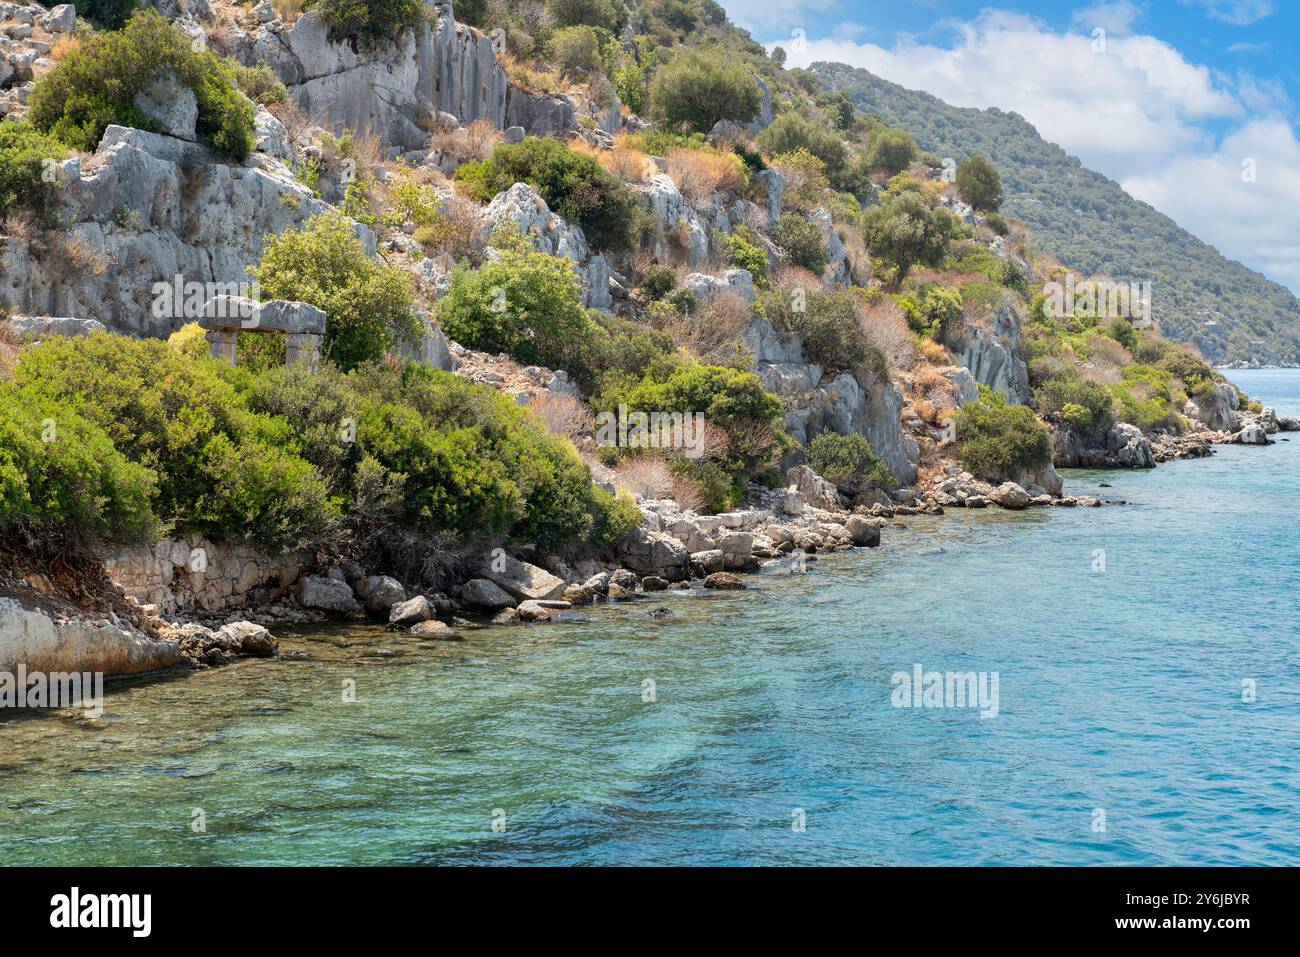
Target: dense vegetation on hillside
x: 1093, y: 226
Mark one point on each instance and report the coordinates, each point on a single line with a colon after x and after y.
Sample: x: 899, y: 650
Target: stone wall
x: 195, y: 574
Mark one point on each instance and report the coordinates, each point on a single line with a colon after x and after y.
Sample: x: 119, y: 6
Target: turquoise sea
x: 1160, y: 697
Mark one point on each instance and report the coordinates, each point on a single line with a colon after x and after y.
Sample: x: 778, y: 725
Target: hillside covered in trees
x: 1086, y: 220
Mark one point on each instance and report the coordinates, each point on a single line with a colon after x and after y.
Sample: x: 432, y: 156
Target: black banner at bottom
x: 333, y: 906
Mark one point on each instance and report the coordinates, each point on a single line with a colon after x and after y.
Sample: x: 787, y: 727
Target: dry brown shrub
x: 9, y: 344
x: 465, y: 143
x: 287, y: 10
x: 688, y: 494
x: 926, y: 380
x: 789, y: 277
x: 645, y: 476
x: 754, y: 440
x: 932, y: 351
x: 63, y: 46
x: 62, y: 254
x: 712, y: 330
x: 699, y: 174
x: 887, y: 331
x: 364, y: 150
x: 563, y: 414
x: 1104, y: 349
x: 1102, y: 373
x: 454, y: 231
x: 717, y: 443
x: 629, y: 165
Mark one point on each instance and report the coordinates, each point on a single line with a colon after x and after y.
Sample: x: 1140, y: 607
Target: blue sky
x: 1182, y: 102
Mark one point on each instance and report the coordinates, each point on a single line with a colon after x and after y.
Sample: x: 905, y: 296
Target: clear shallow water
x: 1119, y: 690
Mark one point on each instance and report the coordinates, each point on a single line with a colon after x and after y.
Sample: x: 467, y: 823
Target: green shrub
x: 387, y: 460
x: 108, y: 14
x: 1122, y: 331
x: 849, y: 461
x: 805, y: 179
x: 472, y: 12
x: 25, y: 155
x: 660, y: 142
x: 904, y: 231
x: 890, y: 150
x: 574, y: 185
x: 802, y: 242
x: 1148, y: 414
x: 609, y: 15
x: 743, y: 252
x: 96, y: 85
x: 720, y: 488
x: 699, y: 87
x: 614, y: 346
x: 613, y: 517
x: 526, y: 304
x: 725, y: 396
x: 997, y: 223
x: 979, y: 184
x: 683, y: 300
x: 367, y: 303
x: 996, y: 441
x: 828, y: 323
x: 260, y: 85
x: 1193, y: 370
x: 62, y: 483
x: 658, y: 282
x: 934, y: 313
x: 1085, y: 406
x: 373, y: 23
x: 574, y: 50
x: 838, y: 108
x: 221, y: 470
x: 790, y: 132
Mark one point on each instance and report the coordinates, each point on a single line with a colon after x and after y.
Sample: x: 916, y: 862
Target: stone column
x: 224, y: 342
x: 302, y: 347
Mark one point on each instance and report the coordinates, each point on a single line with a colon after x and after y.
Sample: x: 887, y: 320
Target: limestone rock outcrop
x: 31, y: 638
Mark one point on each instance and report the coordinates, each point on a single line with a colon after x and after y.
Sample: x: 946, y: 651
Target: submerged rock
x: 724, y: 580
x: 436, y: 630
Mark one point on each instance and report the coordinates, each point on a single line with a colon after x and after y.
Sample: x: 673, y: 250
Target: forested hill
x: 1086, y: 220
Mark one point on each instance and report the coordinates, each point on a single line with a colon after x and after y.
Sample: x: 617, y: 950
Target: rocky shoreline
x: 45, y: 623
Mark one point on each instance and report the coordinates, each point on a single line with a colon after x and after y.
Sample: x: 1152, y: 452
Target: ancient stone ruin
x: 302, y: 325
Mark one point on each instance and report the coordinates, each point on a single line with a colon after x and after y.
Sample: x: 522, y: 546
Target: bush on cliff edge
x: 96, y: 85
x: 996, y: 440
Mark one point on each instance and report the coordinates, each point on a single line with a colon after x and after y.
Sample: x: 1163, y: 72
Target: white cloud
x: 777, y: 17
x: 1237, y: 12
x: 1125, y: 110
x: 1115, y: 17
x: 1210, y: 195
x: 1139, y: 112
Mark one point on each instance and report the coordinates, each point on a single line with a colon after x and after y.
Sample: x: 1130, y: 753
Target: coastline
x: 124, y: 637
x: 770, y: 698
